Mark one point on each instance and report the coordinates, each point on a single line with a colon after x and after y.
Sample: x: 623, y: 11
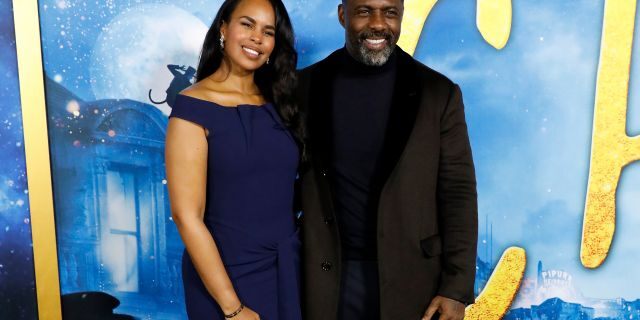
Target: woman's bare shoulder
x: 200, y: 91
x: 208, y: 93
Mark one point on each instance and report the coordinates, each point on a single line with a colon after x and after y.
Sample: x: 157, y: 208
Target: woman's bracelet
x: 235, y: 313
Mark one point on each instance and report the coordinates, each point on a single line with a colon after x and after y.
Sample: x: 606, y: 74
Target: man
x: 390, y: 215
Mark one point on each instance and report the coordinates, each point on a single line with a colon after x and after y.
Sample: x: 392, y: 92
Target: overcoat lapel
x: 402, y: 115
x: 320, y: 112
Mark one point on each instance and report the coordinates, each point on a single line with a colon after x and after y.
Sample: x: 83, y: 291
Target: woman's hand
x: 247, y: 314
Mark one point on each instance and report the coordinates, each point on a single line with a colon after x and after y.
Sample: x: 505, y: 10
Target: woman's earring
x: 267, y: 60
x: 222, y: 41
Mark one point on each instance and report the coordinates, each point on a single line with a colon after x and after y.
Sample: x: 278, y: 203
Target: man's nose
x: 377, y: 21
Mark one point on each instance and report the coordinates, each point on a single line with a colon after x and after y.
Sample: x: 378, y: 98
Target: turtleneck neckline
x: 351, y: 65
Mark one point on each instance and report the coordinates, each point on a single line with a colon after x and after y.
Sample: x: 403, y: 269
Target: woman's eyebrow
x: 252, y: 20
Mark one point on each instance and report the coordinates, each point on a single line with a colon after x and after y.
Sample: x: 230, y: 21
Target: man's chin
x: 376, y: 57
x: 379, y: 50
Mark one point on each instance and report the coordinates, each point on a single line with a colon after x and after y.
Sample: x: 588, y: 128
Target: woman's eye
x: 246, y: 24
x: 269, y: 33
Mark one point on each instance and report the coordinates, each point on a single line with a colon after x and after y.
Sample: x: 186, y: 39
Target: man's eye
x: 363, y: 12
x: 392, y: 13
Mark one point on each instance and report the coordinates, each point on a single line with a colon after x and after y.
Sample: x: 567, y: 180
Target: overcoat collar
x: 402, y: 114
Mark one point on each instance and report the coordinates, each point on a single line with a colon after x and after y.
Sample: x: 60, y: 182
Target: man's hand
x: 449, y: 309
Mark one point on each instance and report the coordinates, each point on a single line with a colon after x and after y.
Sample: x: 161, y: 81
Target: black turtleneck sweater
x: 362, y: 98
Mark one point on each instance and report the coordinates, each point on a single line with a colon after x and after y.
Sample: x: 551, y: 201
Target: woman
x: 231, y: 159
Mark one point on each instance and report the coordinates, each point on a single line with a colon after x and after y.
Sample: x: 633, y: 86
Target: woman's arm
x: 186, y: 165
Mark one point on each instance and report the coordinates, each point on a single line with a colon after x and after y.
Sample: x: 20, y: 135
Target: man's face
x: 372, y: 28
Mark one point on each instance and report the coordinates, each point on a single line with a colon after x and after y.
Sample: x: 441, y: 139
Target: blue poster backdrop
x: 17, y: 285
x: 530, y: 110
x: 112, y: 68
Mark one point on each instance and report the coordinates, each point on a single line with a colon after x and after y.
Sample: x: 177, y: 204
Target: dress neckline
x: 256, y: 106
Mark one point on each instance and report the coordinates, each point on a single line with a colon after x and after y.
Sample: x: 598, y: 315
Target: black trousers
x: 359, y: 291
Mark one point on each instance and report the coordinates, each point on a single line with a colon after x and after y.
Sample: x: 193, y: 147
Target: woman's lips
x: 251, y: 53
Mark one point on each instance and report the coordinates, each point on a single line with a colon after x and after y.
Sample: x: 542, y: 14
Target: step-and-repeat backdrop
x: 545, y: 89
x: 17, y: 281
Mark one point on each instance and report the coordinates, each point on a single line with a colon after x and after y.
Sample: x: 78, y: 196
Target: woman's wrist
x: 234, y: 313
x: 230, y: 303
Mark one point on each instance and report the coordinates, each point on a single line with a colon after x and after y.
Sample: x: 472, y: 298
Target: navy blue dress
x: 252, y: 166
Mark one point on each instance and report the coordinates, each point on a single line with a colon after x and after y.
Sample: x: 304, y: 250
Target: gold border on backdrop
x: 36, y: 144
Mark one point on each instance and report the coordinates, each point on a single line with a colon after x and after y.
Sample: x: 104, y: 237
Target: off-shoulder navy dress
x: 252, y: 166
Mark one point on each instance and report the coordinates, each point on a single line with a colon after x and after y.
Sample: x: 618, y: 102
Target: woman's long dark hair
x: 277, y: 80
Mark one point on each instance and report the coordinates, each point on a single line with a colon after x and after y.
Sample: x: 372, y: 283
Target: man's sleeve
x: 457, y: 203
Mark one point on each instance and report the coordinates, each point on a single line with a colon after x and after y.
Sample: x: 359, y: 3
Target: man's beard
x: 370, y: 57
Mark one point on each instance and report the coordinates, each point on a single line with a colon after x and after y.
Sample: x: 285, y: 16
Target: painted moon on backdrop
x: 131, y: 54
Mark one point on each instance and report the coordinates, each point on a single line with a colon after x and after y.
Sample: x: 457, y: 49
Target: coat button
x: 326, y: 265
x: 299, y: 222
x: 324, y: 172
x: 328, y: 220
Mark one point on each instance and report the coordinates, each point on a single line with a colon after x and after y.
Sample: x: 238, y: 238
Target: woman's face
x: 250, y: 34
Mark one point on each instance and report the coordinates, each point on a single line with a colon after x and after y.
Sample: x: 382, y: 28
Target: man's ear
x: 341, y: 14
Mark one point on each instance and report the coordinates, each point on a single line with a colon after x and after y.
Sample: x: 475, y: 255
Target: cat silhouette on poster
x: 183, y: 77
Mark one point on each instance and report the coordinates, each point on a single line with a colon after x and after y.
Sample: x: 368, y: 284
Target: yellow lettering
x: 496, y: 298
x: 415, y: 15
x: 493, y: 19
x: 611, y: 148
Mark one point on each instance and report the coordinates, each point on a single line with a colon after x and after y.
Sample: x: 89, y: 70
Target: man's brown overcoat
x: 427, y: 213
